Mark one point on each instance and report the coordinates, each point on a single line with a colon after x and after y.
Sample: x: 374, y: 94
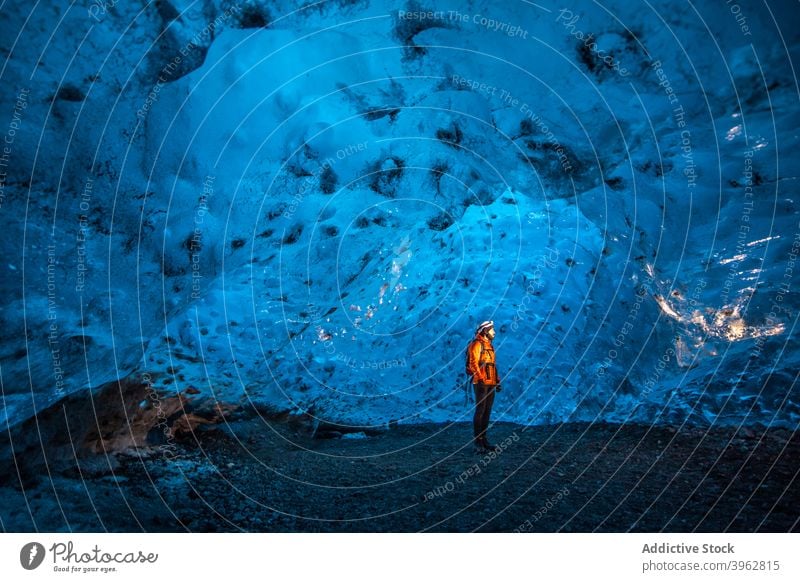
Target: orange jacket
x: 481, y: 362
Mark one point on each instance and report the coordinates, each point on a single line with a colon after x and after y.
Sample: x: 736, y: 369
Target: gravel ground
x: 249, y: 475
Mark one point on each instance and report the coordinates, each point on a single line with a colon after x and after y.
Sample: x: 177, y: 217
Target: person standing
x: 482, y: 367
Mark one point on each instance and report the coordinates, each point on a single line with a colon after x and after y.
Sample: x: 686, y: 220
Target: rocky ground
x: 250, y: 475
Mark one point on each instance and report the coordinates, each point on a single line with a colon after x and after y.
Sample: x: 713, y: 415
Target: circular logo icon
x: 31, y: 555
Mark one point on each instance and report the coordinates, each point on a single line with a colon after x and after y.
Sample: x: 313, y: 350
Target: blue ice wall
x: 309, y: 209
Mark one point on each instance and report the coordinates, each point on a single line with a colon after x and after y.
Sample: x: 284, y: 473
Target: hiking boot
x: 487, y: 446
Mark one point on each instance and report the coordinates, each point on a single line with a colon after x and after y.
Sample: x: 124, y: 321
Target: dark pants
x: 484, y: 398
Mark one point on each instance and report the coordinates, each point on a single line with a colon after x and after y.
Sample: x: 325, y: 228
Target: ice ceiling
x: 309, y: 209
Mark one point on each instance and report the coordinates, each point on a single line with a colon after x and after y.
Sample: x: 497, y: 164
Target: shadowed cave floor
x: 251, y: 476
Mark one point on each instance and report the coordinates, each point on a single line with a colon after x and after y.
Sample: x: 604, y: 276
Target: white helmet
x: 485, y: 326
